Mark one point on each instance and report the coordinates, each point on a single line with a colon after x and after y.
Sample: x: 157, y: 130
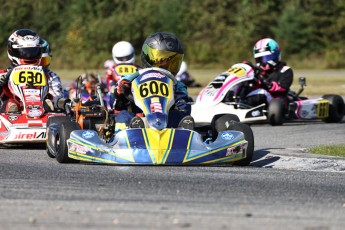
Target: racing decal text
x: 34, y: 135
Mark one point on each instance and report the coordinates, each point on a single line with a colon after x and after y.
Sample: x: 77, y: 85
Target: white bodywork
x: 210, y: 100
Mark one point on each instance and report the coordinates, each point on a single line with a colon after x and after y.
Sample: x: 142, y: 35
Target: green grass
x: 330, y: 150
x: 319, y: 82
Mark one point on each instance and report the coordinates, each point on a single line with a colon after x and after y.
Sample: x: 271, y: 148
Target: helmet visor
x: 266, y: 58
x: 27, y: 53
x: 168, y: 60
x: 45, y: 61
x: 125, y: 58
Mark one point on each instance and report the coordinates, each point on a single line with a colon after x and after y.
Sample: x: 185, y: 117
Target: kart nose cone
x: 157, y: 121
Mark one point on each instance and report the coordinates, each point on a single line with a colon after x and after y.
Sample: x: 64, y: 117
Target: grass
x: 330, y: 150
x: 319, y: 82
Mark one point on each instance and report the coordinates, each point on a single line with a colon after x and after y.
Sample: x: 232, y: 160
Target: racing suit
x: 274, y: 83
x: 126, y: 109
x: 55, y: 89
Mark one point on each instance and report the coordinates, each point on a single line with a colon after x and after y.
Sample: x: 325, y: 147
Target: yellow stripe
x: 148, y: 147
x: 167, y: 151
x: 224, y: 159
x: 83, y: 157
x: 213, y: 151
x: 125, y: 155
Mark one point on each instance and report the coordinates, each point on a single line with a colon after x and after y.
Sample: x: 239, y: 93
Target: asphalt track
x: 285, y: 188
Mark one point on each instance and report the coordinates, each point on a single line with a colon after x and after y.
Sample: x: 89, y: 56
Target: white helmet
x: 123, y: 53
x: 23, y: 48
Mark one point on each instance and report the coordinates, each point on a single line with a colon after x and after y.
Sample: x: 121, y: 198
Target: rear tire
x: 62, y: 135
x: 276, y: 112
x: 57, y: 119
x: 223, y: 123
x: 336, y: 108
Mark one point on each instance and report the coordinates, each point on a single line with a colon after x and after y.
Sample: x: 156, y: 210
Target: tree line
x: 214, y: 33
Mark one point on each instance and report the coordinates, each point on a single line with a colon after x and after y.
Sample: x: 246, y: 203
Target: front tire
x: 223, y: 124
x: 336, y: 108
x: 62, y: 135
x: 51, y: 120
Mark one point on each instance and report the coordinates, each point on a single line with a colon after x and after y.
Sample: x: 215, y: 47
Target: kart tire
x: 62, y: 135
x: 56, y: 119
x: 221, y: 125
x: 336, y: 108
x: 221, y: 122
x: 276, y: 112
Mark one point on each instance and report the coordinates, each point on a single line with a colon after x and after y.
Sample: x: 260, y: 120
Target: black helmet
x: 23, y: 47
x: 162, y: 50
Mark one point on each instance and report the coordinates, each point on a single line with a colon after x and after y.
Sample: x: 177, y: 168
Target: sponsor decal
x: 35, y: 113
x: 234, y: 150
x: 152, y: 75
x: 12, y: 118
x: 227, y: 136
x: 28, y: 67
x: 30, y: 136
x: 33, y: 98
x: 256, y: 113
x: 305, y: 113
x: 31, y: 91
x: 78, y: 148
x: 156, y: 107
x: 33, y: 107
x: 87, y: 134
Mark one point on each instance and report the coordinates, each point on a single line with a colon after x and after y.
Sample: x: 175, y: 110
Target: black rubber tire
x: 221, y: 125
x: 336, y: 108
x: 56, y: 119
x: 276, y: 112
x: 220, y: 122
x: 62, y: 135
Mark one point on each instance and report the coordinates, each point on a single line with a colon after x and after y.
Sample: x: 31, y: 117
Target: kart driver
x: 275, y: 77
x: 23, y: 48
x: 163, y: 50
x: 123, y: 54
x: 54, y: 81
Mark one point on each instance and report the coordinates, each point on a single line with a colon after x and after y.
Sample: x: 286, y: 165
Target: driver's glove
x: 266, y: 84
x: 123, y: 87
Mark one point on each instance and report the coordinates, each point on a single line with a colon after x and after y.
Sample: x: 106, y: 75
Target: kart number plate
x: 33, y: 77
x: 322, y: 109
x: 125, y: 69
x: 154, y: 88
x: 238, y: 71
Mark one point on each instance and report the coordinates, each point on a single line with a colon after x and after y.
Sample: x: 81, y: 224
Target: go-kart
x: 28, y: 85
x: 228, y: 141
x: 90, y: 114
x: 227, y: 92
x: 84, y: 88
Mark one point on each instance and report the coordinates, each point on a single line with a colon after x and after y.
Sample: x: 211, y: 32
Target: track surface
x: 285, y: 188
